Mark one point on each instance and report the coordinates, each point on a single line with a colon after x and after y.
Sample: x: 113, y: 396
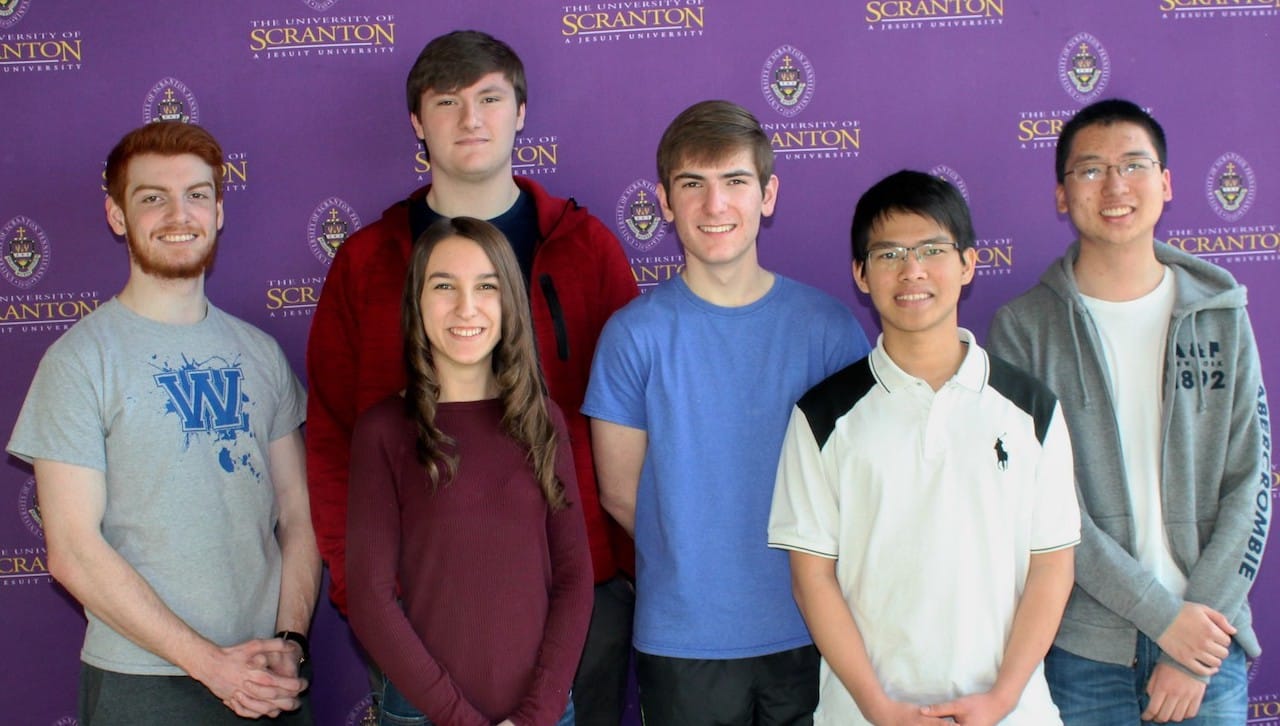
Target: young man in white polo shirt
x: 926, y: 495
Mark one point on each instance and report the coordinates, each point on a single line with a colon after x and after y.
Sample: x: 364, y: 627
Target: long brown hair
x: 525, y: 417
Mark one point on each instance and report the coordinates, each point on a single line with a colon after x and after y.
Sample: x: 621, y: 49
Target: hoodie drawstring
x: 1075, y: 347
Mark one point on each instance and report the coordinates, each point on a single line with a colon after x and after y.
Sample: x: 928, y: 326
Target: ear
x: 520, y: 118
x: 662, y: 203
x: 1060, y: 194
x: 1166, y: 181
x: 417, y: 127
x: 858, y: 278
x: 115, y: 217
x: 219, y: 215
x: 968, y: 258
x: 770, y: 197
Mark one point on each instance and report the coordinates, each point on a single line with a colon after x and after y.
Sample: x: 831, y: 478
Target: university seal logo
x: 1084, y: 68
x: 1231, y: 187
x: 787, y: 80
x: 11, y: 12
x: 637, y: 217
x: 952, y: 177
x: 331, y: 223
x: 171, y: 100
x: 364, y: 713
x: 319, y: 5
x: 29, y: 508
x: 25, y: 250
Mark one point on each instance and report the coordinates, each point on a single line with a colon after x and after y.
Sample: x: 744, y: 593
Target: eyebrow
x: 732, y: 174
x: 494, y: 89
x: 1125, y: 155
x: 451, y: 276
x: 891, y: 243
x: 159, y: 188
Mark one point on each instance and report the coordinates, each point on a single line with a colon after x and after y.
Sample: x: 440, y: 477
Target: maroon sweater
x: 496, y: 589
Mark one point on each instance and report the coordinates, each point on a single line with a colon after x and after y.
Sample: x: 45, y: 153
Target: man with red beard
x: 169, y: 463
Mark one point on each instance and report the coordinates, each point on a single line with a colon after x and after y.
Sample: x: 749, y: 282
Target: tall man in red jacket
x: 466, y: 94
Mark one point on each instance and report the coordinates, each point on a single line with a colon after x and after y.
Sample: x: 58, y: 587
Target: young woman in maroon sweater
x: 468, y: 570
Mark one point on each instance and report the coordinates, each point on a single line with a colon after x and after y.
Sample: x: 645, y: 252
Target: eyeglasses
x: 894, y: 257
x: 1089, y: 172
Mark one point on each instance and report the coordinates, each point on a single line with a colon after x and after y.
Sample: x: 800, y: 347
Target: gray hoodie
x: 1216, y: 454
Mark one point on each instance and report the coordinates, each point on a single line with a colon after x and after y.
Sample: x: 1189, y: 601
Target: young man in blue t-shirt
x: 689, y: 395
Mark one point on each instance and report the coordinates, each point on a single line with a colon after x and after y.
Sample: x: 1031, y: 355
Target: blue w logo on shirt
x: 206, y: 399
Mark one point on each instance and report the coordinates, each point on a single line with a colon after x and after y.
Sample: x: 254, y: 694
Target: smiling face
x: 461, y: 304
x: 471, y: 131
x: 914, y: 297
x: 170, y: 215
x: 1114, y: 210
x: 716, y: 208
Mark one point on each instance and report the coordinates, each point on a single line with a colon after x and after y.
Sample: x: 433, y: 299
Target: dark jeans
x: 600, y: 685
x: 779, y: 689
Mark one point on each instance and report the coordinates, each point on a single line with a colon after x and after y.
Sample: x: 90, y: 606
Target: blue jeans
x: 395, y: 709
x: 1091, y: 693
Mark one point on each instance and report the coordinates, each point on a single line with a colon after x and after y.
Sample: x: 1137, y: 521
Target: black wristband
x: 298, y: 638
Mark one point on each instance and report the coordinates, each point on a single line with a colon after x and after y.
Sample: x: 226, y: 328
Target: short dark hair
x: 164, y: 138
x: 457, y: 60
x: 1105, y: 113
x: 711, y: 131
x: 911, y: 192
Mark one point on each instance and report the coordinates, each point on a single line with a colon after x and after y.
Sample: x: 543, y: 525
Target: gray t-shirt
x: 179, y: 417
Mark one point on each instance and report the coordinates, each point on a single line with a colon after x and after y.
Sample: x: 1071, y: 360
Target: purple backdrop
x: 307, y: 99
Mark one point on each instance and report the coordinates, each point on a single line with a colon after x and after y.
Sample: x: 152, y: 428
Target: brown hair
x: 525, y: 417
x: 711, y: 131
x: 166, y: 138
x: 457, y: 60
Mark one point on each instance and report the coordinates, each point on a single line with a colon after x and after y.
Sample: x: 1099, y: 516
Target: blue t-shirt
x: 713, y: 387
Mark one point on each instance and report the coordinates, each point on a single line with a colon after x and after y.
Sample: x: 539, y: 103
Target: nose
x: 1113, y: 180
x: 176, y: 209
x: 466, y: 303
x: 716, y: 198
x: 912, y: 267
x: 470, y: 115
